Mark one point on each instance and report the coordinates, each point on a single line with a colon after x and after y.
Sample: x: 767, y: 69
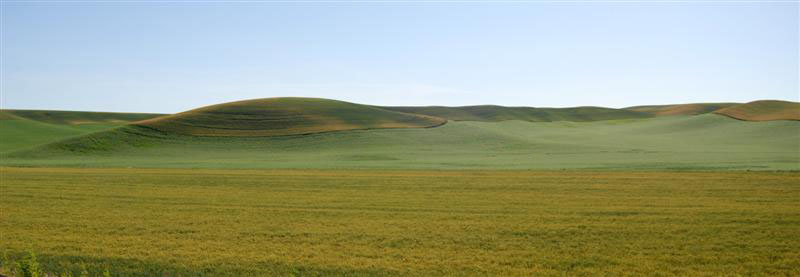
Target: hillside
x: 77, y: 118
x: 681, y: 109
x: 501, y: 113
x: 253, y: 134
x: 21, y: 129
x: 707, y: 141
x: 763, y: 110
x: 284, y: 116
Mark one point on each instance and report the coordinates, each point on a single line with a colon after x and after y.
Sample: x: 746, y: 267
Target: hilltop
x: 764, y: 110
x: 285, y: 116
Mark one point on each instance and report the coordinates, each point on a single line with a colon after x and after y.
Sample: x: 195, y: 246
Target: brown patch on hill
x: 764, y: 110
x: 285, y: 116
x: 681, y: 109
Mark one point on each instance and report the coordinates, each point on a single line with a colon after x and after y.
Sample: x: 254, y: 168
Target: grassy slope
x: 78, y: 118
x: 21, y: 129
x: 677, y: 142
x: 410, y: 223
x: 763, y: 111
x: 681, y: 109
x: 285, y: 116
x: 500, y: 113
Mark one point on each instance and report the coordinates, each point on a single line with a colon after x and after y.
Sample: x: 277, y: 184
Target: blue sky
x: 172, y: 56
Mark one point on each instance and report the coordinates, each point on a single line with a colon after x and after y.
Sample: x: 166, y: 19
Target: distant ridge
x: 681, y: 109
x: 501, y: 113
x: 75, y: 117
x: 285, y: 116
x: 6, y: 115
x: 401, y: 116
x: 763, y: 110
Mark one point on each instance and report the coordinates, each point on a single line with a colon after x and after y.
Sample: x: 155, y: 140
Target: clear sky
x: 172, y: 56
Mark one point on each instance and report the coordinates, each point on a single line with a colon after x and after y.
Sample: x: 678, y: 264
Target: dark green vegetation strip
x: 366, y: 222
x: 764, y: 110
x: 500, y: 113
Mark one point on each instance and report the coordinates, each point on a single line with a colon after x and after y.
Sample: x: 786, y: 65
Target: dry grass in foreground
x: 367, y: 222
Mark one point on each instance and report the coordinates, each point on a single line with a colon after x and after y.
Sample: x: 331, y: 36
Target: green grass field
x: 315, y: 187
x: 20, y: 134
x: 368, y: 222
x: 22, y: 129
x: 704, y: 142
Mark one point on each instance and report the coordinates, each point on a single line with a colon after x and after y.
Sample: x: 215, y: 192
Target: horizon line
x: 537, y: 107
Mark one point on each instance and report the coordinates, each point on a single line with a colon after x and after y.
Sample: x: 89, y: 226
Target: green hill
x: 297, y: 133
x: 763, y: 110
x: 21, y: 129
x: 500, y: 113
x: 707, y: 141
x: 79, y: 118
x: 681, y: 109
x: 285, y: 116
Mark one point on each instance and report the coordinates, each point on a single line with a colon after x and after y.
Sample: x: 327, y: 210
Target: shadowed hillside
x: 74, y: 118
x: 285, y: 116
x: 22, y: 129
x: 500, y: 113
x: 681, y: 109
x: 763, y: 110
x: 5, y: 115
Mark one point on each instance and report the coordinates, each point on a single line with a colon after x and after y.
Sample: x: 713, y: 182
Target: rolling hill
x: 79, y: 118
x: 320, y: 133
x: 706, y: 141
x: 23, y: 129
x: 501, y: 113
x: 681, y: 109
x: 763, y: 110
x: 285, y: 116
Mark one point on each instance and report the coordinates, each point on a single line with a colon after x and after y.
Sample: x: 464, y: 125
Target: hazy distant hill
x: 500, y: 113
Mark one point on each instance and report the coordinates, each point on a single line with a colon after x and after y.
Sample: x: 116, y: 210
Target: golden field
x: 400, y: 222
